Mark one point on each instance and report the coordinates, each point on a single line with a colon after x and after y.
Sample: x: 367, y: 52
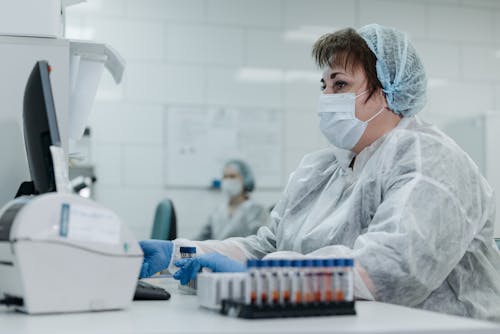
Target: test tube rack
x: 246, y: 311
x: 281, y: 288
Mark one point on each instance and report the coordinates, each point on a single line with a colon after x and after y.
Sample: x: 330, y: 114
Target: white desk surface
x: 181, y: 314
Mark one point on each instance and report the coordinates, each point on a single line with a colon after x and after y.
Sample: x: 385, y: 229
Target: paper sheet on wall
x: 199, y: 141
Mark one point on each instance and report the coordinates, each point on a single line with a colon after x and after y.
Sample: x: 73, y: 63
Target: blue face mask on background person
x: 338, y: 121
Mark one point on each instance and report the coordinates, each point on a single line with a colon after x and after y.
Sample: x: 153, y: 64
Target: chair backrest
x: 497, y: 240
x: 165, y: 221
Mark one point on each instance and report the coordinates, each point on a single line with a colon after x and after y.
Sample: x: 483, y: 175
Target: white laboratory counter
x: 181, y: 314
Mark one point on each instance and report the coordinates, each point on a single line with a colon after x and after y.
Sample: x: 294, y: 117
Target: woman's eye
x: 336, y: 85
x: 340, y: 84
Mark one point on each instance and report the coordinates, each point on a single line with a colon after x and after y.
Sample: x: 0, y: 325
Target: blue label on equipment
x: 63, y: 228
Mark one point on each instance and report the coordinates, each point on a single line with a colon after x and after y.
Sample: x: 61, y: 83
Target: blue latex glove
x: 157, y: 255
x: 189, y: 268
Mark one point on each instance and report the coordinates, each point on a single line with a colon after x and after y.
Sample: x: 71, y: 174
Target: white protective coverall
x: 246, y: 219
x: 414, y: 212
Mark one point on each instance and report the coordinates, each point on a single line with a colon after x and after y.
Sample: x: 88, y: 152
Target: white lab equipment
x: 30, y: 31
x: 87, y: 62
x: 64, y: 253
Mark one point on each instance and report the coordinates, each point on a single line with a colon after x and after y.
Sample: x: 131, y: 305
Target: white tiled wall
x: 225, y: 88
x: 265, y: 48
x: 148, y: 36
x: 460, y: 24
x: 108, y: 159
x: 165, y: 83
x: 497, y: 96
x: 259, y: 13
x: 461, y: 98
x: 127, y: 123
x: 482, y: 62
x: 326, y: 13
x: 201, y: 53
x: 199, y: 44
x: 449, y: 66
x: 169, y: 10
x: 389, y: 13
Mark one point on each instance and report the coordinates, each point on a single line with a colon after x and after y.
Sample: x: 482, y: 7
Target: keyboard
x: 147, y: 291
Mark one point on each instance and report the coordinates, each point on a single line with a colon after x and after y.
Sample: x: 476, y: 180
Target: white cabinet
x: 31, y: 18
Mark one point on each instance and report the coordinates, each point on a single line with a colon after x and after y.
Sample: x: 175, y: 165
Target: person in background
x: 394, y: 193
x: 238, y: 215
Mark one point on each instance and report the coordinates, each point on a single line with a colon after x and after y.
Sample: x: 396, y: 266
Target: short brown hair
x: 348, y: 49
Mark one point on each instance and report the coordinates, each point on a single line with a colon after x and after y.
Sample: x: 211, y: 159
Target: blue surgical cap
x: 246, y: 173
x: 399, y: 68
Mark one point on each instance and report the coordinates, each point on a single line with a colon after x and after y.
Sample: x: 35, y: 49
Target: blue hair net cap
x: 399, y: 68
x: 245, y: 172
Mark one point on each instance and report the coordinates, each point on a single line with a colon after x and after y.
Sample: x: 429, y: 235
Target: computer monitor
x: 40, y: 128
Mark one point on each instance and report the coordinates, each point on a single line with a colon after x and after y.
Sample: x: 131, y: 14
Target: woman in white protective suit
x: 238, y: 215
x: 394, y: 193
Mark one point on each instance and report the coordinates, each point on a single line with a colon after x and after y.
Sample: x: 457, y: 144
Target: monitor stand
x: 26, y: 188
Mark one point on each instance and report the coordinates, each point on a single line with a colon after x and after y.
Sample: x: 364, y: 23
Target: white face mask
x: 231, y: 187
x: 338, y: 121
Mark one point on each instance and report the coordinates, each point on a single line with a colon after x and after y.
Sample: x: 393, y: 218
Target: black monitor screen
x: 40, y: 127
